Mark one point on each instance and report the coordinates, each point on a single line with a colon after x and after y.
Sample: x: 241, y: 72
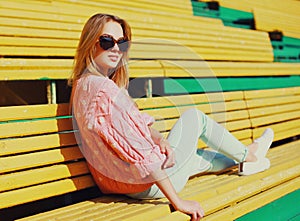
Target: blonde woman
x: 124, y: 153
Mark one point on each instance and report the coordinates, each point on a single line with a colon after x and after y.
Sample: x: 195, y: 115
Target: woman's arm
x: 165, y: 148
x: 188, y: 207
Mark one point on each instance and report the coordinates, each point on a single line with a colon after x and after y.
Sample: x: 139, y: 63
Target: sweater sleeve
x: 125, y: 129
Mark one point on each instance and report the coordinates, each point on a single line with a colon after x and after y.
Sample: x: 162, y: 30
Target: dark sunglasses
x: 107, y: 42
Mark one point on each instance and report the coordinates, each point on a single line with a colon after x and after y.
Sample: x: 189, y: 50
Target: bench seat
x: 224, y: 196
x: 39, y: 156
x: 60, y: 69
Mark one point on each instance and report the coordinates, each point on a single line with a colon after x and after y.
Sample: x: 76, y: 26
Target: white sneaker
x: 264, y: 142
x: 249, y: 168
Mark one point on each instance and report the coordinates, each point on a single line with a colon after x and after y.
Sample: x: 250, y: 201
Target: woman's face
x: 108, y: 59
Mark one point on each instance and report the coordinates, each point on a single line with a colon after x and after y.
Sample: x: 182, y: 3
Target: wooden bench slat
x: 43, y: 191
x: 230, y: 116
x: 104, y: 206
x: 180, y: 100
x: 37, y: 176
x: 280, y: 135
x: 105, y: 201
x: 284, y: 108
x: 212, y: 69
x: 15, y: 13
x: 193, y: 39
x: 19, y: 40
x: 43, y: 69
x: 289, y: 6
x: 278, y: 127
x: 271, y: 93
x: 127, y: 210
x: 36, y: 51
x: 256, y: 201
x: 153, y: 52
x: 166, y: 125
x: 275, y: 118
x: 279, y: 100
x: 26, y: 69
x: 20, y: 162
x: 46, y: 74
x: 33, y: 111
x: 280, y: 21
x: 36, y: 143
x: 35, y: 127
x: 40, y: 24
x: 235, y: 110
x: 236, y: 125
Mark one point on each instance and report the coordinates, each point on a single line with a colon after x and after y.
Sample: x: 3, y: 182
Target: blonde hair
x: 84, y: 61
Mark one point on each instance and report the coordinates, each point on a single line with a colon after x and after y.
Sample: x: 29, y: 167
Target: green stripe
x: 284, y: 208
x: 287, y: 50
x: 196, y: 85
x: 230, y: 17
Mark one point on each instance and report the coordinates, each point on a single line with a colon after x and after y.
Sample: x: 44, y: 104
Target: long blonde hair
x: 84, y: 61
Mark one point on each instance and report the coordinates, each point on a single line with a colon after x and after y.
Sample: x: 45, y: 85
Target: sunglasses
x: 107, y: 42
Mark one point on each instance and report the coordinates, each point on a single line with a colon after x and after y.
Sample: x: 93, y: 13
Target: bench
x: 56, y: 70
x: 268, y: 20
x: 289, y: 6
x: 38, y: 40
x: 26, y: 34
x: 41, y: 165
x: 40, y: 158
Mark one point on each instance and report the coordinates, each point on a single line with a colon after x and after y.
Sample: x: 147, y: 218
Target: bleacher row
x: 283, y: 26
x: 41, y: 167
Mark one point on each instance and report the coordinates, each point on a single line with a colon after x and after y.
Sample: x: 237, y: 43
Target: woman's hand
x: 166, y: 149
x: 191, y: 208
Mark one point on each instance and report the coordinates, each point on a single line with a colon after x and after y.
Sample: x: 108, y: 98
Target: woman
x: 124, y: 153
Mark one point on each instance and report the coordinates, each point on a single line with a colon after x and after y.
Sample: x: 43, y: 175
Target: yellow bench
x: 53, y: 70
x: 278, y: 108
x: 288, y: 6
x: 268, y: 20
x: 40, y: 163
x: 270, y: 15
x: 27, y: 32
x: 39, y: 159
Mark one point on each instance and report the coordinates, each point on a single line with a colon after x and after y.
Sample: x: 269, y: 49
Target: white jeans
x: 183, y: 137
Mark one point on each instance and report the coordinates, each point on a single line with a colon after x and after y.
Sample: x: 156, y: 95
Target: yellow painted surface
x: 33, y: 111
x: 34, y: 143
x: 12, y: 163
x: 20, y: 196
x: 34, y: 127
x: 231, y: 195
x: 268, y: 20
x: 40, y: 175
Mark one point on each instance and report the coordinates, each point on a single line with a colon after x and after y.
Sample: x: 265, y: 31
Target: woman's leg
x: 192, y: 125
x: 221, y: 140
x: 183, y: 137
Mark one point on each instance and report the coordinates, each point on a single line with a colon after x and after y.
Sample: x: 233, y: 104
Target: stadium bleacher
x: 235, y: 74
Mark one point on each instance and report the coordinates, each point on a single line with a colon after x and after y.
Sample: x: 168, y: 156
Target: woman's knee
x: 195, y: 114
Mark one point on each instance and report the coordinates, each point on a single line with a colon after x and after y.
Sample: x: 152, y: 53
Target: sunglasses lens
x: 123, y: 45
x: 106, y: 42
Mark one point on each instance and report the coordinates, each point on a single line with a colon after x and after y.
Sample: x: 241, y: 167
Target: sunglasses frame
x: 111, y: 40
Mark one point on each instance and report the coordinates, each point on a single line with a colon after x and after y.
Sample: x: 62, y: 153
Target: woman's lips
x: 113, y: 58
